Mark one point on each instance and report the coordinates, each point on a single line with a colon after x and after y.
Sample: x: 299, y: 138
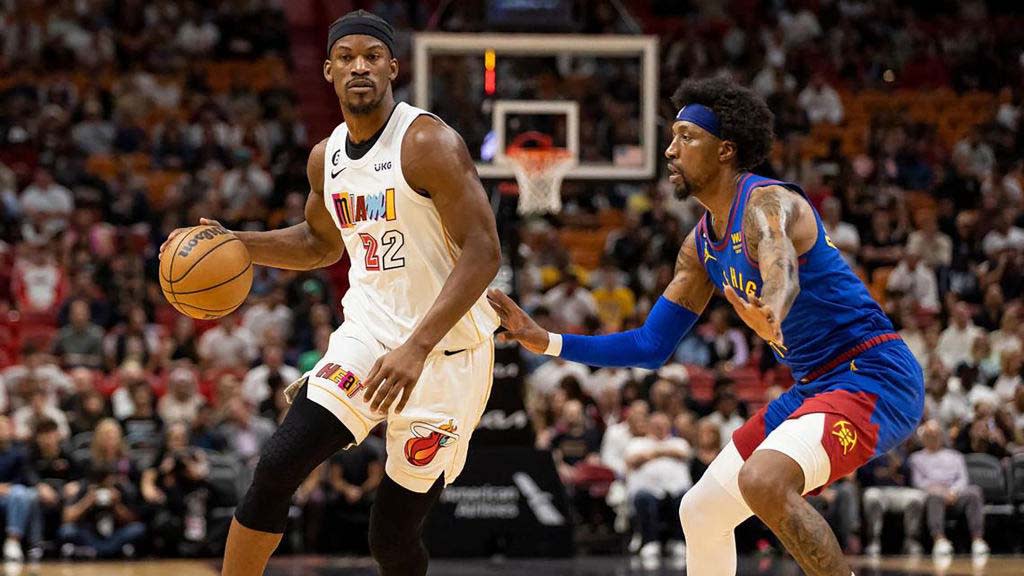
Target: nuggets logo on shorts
x: 427, y: 440
x: 348, y: 382
x: 846, y: 435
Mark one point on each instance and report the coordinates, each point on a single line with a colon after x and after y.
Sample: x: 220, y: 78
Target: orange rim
x: 536, y: 160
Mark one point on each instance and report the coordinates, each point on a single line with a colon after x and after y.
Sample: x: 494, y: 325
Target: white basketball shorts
x: 431, y: 436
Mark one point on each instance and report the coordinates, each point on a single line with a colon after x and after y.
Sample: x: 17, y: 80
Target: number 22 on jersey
x: 392, y: 240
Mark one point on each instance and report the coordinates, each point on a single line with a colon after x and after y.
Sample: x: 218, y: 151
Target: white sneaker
x: 12, y: 551
x: 873, y: 549
x: 650, y: 555
x: 650, y: 550
x: 912, y: 548
x: 979, y: 548
x: 942, y: 547
x: 677, y: 549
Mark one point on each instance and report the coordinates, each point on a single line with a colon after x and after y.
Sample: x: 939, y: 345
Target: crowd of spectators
x: 127, y: 429
x: 122, y: 419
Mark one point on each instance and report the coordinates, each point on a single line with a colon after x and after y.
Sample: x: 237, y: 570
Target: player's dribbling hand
x: 518, y: 324
x: 757, y: 315
x: 174, y: 233
x: 393, y: 373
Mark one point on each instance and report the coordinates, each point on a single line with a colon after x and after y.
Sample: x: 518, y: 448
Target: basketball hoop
x: 539, y: 172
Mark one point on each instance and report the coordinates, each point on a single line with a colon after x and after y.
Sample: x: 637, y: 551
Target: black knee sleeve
x: 396, y: 527
x: 308, y: 435
x: 389, y: 542
x: 265, y: 505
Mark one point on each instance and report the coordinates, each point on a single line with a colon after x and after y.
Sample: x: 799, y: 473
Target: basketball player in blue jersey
x: 858, y: 392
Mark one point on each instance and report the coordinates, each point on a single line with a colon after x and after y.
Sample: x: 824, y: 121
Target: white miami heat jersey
x: 400, y: 251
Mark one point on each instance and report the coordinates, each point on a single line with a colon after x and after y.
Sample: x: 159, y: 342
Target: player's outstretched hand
x: 393, y: 373
x: 177, y: 231
x: 757, y: 315
x: 518, y: 323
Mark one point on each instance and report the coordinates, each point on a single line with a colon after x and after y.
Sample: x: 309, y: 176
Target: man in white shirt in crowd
x: 956, y: 340
x: 942, y: 473
x: 256, y: 387
x: 182, y: 401
x: 246, y: 186
x: 658, y: 475
x: 569, y: 302
x: 197, y: 35
x: 545, y: 379
x: 843, y: 234
x: 948, y: 406
x: 914, y: 336
x: 973, y: 155
x: 798, y: 27
x: 613, y: 455
x: 39, y: 368
x: 47, y: 206
x: 269, y: 319
x: 934, y: 246
x: 604, y: 379
x: 618, y: 436
x: 1007, y: 337
x: 913, y: 282
x: 245, y: 431
x: 726, y: 415
x: 821, y: 102
x: 772, y: 80
x: 1004, y: 236
x: 227, y: 345
x: 1009, y: 379
x: 40, y: 407
x: 94, y: 134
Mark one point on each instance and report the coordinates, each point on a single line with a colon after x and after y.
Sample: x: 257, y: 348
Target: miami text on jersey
x: 355, y: 208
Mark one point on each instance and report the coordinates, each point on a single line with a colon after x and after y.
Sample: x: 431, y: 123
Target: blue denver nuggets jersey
x: 833, y: 312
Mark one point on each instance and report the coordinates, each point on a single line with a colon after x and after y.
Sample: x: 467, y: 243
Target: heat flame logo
x: 427, y: 440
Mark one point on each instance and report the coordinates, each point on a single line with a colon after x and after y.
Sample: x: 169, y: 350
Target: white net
x: 539, y: 173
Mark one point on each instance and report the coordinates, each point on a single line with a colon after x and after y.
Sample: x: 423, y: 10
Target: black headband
x: 361, y: 22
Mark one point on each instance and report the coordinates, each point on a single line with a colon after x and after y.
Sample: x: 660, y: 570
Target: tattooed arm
x: 690, y: 287
x: 778, y: 224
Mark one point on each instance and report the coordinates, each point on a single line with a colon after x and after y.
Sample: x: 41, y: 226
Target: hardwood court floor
x: 591, y: 566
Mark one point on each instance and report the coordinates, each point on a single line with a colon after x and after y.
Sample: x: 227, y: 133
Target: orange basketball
x: 206, y: 272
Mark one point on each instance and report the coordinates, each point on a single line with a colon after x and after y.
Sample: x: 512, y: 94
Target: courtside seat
x: 986, y: 471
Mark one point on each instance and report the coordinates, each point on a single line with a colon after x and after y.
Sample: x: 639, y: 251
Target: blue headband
x: 702, y: 116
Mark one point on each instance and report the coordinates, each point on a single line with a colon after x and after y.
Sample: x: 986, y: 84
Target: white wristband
x: 554, y: 344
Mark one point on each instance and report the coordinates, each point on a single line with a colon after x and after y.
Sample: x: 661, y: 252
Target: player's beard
x: 683, y: 189
x: 364, y: 107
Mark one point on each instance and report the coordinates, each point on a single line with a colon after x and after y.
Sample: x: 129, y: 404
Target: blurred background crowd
x: 126, y: 428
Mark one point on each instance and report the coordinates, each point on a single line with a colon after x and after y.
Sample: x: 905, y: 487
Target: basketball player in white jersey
x: 397, y: 189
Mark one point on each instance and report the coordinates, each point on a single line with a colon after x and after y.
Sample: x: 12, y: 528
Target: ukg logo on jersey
x: 355, y: 208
